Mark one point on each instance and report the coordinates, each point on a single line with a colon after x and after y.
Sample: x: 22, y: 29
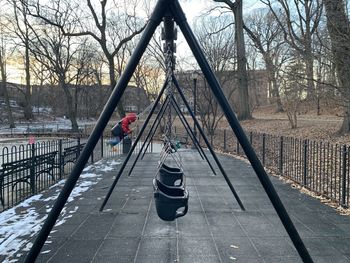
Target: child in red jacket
x: 122, y: 129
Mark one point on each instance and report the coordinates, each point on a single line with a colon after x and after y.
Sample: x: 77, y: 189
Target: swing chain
x: 170, y: 89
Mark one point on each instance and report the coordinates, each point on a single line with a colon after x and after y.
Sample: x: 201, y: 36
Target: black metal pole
x: 207, y: 143
x: 195, y: 140
x: 166, y: 102
x: 106, y: 114
x: 237, y: 129
x: 187, y: 127
x: 194, y: 103
x: 153, y: 131
x: 133, y: 146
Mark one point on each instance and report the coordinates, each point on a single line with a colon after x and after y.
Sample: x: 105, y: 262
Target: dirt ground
x: 310, y: 125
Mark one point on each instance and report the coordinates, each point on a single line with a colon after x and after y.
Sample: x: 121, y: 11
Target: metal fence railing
x: 321, y: 167
x: 29, y: 168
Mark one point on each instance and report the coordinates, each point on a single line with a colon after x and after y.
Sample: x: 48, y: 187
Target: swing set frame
x: 165, y: 9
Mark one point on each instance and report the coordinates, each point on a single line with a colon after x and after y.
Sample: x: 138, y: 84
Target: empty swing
x: 170, y: 193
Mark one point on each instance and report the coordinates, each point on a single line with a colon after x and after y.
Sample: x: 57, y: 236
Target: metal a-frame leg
x: 189, y: 131
x: 194, y: 138
x: 157, y: 15
x: 133, y: 146
x: 201, y: 152
x: 208, y: 73
x: 170, y: 99
x: 176, y: 84
x: 153, y: 130
x: 148, y: 138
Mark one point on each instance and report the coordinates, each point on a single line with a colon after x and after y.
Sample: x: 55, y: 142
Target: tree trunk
x: 345, y: 127
x: 70, y: 107
x: 113, y: 82
x: 243, y: 109
x: 28, y: 113
x: 5, y: 92
x: 274, y: 86
x: 310, y: 77
x: 339, y: 30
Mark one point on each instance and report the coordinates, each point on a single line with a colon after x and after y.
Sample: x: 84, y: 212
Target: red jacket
x: 131, y: 117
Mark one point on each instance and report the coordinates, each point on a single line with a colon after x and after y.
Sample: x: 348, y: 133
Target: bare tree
x: 294, y: 83
x: 299, y: 21
x: 3, y: 84
x: 217, y: 43
x: 22, y: 32
x: 111, y: 32
x: 265, y: 33
x: 56, y: 52
x: 338, y: 25
x: 243, y: 109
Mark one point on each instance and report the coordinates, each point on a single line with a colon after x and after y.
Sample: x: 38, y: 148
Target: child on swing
x: 122, y: 129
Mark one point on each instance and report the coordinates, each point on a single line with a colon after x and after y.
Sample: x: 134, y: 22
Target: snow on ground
x: 16, y: 228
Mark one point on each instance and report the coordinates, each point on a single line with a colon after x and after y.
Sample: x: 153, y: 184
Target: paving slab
x: 215, y: 229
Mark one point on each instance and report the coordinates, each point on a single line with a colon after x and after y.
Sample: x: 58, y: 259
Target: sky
x: 192, y: 8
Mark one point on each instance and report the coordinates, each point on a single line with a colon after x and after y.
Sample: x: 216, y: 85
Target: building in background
x: 258, y: 86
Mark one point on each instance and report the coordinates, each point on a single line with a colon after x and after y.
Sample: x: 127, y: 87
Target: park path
x: 214, y: 229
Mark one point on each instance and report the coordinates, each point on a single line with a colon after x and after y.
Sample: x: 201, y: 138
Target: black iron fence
x: 29, y: 168
x: 321, y: 167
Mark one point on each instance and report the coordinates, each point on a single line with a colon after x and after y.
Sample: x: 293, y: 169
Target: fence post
x: 102, y: 139
x: 263, y: 148
x: 237, y: 148
x: 225, y: 140
x: 78, y: 141
x: 305, y: 144
x: 281, y: 156
x: 60, y: 154
x: 344, y: 162
x: 32, y: 170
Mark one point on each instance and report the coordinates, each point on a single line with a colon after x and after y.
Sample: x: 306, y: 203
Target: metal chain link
x: 170, y: 88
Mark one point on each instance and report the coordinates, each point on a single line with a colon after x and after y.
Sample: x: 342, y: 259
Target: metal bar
x: 280, y: 166
x: 305, y: 158
x: 225, y: 140
x: 263, y: 148
x: 344, y: 157
x: 187, y: 127
x: 101, y: 123
x: 180, y: 19
x: 193, y: 137
x: 133, y: 146
x: 102, y: 148
x: 208, y: 144
x: 153, y: 132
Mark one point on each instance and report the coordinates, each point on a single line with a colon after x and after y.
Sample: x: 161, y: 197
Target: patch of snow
x: 17, y: 228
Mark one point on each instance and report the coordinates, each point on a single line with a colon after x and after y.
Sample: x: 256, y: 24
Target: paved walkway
x: 214, y: 229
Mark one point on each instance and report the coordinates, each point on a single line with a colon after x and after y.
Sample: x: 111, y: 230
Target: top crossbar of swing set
x: 163, y: 9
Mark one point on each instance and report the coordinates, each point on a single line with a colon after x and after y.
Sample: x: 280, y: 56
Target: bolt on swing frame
x: 162, y: 6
